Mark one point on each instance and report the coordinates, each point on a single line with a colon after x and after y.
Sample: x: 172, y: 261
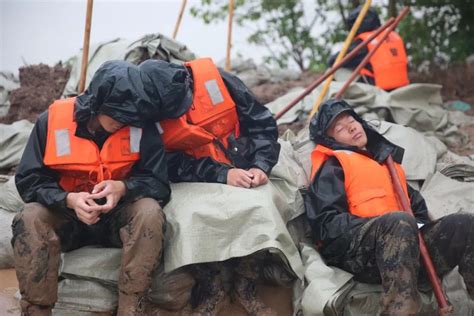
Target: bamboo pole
x: 335, y: 67
x: 85, y: 47
x: 228, y: 66
x: 178, y: 21
x: 444, y: 308
x: 343, y: 51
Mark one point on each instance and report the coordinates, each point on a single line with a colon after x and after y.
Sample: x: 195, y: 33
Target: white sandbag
x: 445, y: 196
x: 82, y: 297
x: 8, y: 83
x: 6, y: 251
x: 13, y: 138
x: 419, y: 159
x: 10, y: 199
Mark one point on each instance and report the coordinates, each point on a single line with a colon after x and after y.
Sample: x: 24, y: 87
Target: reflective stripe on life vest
x: 78, y: 160
x: 211, y: 119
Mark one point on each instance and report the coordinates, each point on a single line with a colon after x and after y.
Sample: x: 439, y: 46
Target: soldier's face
x: 109, y: 124
x: 347, y: 130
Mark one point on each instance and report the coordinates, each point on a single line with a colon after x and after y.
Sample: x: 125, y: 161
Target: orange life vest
x: 79, y: 161
x: 211, y: 119
x: 367, y: 183
x: 389, y: 62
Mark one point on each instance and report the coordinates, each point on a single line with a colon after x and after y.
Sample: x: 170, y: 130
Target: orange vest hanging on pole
x: 203, y: 131
x: 389, y: 62
x: 78, y: 160
x: 367, y: 183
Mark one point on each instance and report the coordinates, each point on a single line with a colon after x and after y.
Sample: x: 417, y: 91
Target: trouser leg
x: 386, y: 250
x: 37, y: 249
x: 450, y: 242
x: 140, y: 226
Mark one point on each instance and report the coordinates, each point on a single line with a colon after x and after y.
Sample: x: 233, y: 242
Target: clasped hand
x: 251, y: 178
x: 85, y: 205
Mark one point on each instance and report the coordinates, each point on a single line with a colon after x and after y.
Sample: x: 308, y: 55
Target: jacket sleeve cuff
x: 222, y: 175
x: 263, y: 166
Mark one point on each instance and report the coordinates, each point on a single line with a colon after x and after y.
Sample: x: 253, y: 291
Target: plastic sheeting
x: 444, y: 195
x: 10, y: 203
x: 13, y: 138
x: 8, y: 83
x: 417, y: 105
x: 213, y: 222
x: 157, y: 46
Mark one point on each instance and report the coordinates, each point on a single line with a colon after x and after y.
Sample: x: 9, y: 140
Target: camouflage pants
x: 385, y: 250
x: 39, y: 236
x: 244, y: 273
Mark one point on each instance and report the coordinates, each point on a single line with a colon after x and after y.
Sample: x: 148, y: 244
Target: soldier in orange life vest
x: 91, y: 173
x: 387, y: 68
x: 356, y: 222
x: 214, y: 130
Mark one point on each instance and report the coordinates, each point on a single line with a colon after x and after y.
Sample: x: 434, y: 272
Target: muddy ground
x: 41, y: 85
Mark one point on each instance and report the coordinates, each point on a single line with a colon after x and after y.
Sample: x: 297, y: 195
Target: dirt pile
x: 40, y: 86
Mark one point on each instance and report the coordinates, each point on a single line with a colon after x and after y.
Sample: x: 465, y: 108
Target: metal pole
x: 180, y: 16
x: 85, y: 46
x: 228, y: 66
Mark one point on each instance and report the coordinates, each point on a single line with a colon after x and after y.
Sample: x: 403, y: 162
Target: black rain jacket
x: 332, y: 226
x: 371, y: 22
x: 171, y: 88
x: 115, y: 90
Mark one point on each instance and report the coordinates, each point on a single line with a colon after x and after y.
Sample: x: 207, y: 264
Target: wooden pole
x: 85, y: 47
x: 180, y: 16
x: 228, y: 66
x: 343, y: 51
x: 444, y: 308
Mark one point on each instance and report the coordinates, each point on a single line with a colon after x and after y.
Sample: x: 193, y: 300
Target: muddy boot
x: 131, y: 304
x: 28, y: 309
x: 152, y: 309
x: 141, y: 238
x: 245, y: 293
x: 209, y: 295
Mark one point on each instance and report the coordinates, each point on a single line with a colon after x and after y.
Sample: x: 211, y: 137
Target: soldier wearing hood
x: 355, y: 217
x: 92, y: 173
x: 214, y: 130
x: 387, y: 68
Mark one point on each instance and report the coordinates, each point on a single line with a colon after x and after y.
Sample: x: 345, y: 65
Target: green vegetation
x: 303, y: 32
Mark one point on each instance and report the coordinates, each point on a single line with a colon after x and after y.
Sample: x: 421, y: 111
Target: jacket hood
x: 377, y: 145
x: 116, y: 90
x: 370, y: 22
x: 169, y: 86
